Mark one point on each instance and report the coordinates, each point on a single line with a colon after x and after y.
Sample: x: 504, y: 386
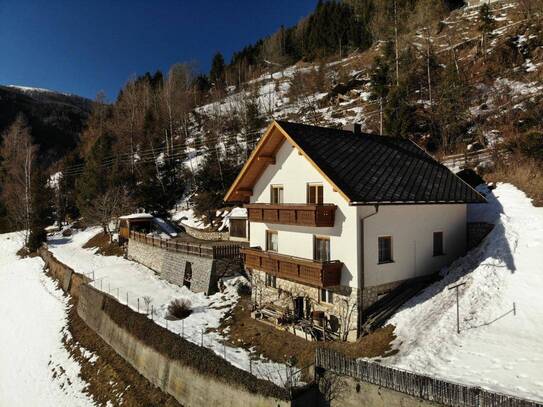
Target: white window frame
x: 326, y: 296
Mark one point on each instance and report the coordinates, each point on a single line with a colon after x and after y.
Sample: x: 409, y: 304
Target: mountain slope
x: 56, y: 119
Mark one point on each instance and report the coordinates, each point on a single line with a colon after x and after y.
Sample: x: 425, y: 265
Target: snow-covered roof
x: 166, y: 227
x: 238, y: 213
x: 137, y: 216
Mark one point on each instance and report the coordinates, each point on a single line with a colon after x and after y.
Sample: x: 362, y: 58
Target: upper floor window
x: 276, y: 194
x: 438, y: 244
x: 271, y: 241
x: 385, y: 249
x: 315, y: 194
x: 321, y: 249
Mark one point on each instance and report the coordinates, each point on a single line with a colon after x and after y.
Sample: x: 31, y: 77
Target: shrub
x: 244, y: 289
x: 179, y: 309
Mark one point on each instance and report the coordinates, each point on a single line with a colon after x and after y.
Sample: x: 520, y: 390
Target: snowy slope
x: 497, y: 348
x: 125, y: 279
x: 33, y: 313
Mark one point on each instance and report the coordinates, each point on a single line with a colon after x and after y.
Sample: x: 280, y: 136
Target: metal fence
x: 218, y: 251
x: 420, y: 386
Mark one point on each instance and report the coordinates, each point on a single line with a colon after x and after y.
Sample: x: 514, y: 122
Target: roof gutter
x: 361, y: 267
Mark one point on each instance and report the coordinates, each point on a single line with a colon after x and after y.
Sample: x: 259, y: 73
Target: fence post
x: 138, y: 305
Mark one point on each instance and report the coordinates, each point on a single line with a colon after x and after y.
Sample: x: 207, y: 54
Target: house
x: 144, y: 223
x: 339, y: 218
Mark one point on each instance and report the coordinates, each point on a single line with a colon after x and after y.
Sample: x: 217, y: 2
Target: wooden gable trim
x: 267, y: 159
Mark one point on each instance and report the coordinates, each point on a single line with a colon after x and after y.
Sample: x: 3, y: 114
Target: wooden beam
x: 266, y: 159
x: 245, y: 191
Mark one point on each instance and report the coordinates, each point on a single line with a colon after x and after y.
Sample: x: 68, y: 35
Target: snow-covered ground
x: 500, y: 346
x: 35, y: 368
x: 130, y: 281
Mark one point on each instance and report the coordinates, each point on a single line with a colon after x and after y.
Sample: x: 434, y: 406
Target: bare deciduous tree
x: 18, y: 154
x: 107, y: 207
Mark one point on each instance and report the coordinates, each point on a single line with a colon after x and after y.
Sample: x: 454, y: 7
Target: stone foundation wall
x: 371, y: 294
x: 173, y: 265
x: 345, y: 299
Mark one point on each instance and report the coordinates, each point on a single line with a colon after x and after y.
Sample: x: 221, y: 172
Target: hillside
x: 56, y: 119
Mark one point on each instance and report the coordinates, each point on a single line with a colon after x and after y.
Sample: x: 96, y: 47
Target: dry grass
x: 179, y: 308
x: 525, y: 174
x: 281, y: 346
x: 106, y: 248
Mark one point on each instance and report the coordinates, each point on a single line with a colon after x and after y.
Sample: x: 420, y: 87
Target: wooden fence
x: 218, y: 251
x: 424, y: 387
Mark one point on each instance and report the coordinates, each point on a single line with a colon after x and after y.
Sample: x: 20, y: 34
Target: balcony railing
x: 293, y: 214
x: 303, y: 271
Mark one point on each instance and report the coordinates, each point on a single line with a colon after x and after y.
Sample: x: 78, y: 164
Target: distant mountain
x: 56, y: 118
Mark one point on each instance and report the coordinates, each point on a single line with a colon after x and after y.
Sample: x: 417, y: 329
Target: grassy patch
x: 105, y: 247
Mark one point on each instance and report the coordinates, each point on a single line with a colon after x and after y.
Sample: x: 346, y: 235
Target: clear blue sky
x: 83, y: 47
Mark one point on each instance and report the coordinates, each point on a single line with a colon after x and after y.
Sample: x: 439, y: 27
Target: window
x: 385, y: 249
x: 238, y: 228
x: 271, y: 241
x: 276, y: 194
x: 438, y: 244
x: 321, y: 249
x: 187, y: 278
x: 315, y: 194
x: 271, y: 281
x: 327, y: 296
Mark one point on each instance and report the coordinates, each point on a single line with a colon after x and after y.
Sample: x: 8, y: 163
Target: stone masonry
x: 342, y: 311
x: 173, y: 265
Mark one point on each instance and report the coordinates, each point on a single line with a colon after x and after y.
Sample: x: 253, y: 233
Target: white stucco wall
x: 294, y: 172
x: 411, y: 228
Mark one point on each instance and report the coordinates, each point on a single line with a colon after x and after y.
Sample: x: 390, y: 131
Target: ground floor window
x: 385, y: 249
x: 271, y: 281
x: 438, y: 244
x: 327, y: 296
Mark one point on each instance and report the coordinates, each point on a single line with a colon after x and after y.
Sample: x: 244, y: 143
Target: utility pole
x: 457, y: 306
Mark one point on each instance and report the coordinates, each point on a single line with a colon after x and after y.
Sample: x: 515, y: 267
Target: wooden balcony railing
x: 217, y: 251
x: 303, y: 271
x: 293, y: 214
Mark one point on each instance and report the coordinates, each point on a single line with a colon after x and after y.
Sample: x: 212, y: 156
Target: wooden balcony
x: 293, y: 214
x: 303, y: 271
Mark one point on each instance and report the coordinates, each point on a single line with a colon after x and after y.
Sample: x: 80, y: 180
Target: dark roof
x: 370, y: 168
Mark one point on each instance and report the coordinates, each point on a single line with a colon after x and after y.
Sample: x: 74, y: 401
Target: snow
x: 131, y: 282
x: 28, y: 89
x: 34, y: 322
x: 137, y: 216
x: 188, y: 218
x: 499, y: 346
x: 166, y: 227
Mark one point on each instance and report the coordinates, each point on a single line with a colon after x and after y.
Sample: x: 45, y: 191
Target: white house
x: 339, y: 218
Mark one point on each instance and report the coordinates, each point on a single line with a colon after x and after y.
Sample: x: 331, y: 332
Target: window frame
x: 270, y: 281
x: 269, y: 233
x: 391, y: 250
x: 326, y: 296
x: 318, y: 186
x: 315, y: 239
x: 280, y: 196
x: 441, y: 252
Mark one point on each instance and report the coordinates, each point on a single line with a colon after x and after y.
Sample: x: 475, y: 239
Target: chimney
x: 355, y: 128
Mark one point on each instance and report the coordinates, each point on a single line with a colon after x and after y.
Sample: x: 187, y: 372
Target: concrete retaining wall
x: 173, y: 265
x: 191, y: 374
x: 356, y: 393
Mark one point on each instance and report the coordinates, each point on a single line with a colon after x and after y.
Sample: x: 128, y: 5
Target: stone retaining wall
x: 172, y: 266
x: 205, y: 235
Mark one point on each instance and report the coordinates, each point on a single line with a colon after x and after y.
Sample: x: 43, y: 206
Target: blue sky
x: 83, y: 47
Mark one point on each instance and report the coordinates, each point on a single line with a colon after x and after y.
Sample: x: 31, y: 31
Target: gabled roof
x: 363, y: 168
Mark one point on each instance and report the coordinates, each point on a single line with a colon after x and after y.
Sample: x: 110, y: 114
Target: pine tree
x: 42, y: 211
x: 216, y: 74
x: 486, y: 25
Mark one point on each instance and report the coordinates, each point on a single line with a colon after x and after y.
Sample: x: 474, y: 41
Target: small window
x: 327, y: 296
x: 315, y: 194
x: 271, y: 281
x: 276, y: 194
x: 238, y: 228
x: 271, y: 241
x: 438, y: 244
x: 321, y: 249
x: 385, y: 249
x: 187, y: 278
